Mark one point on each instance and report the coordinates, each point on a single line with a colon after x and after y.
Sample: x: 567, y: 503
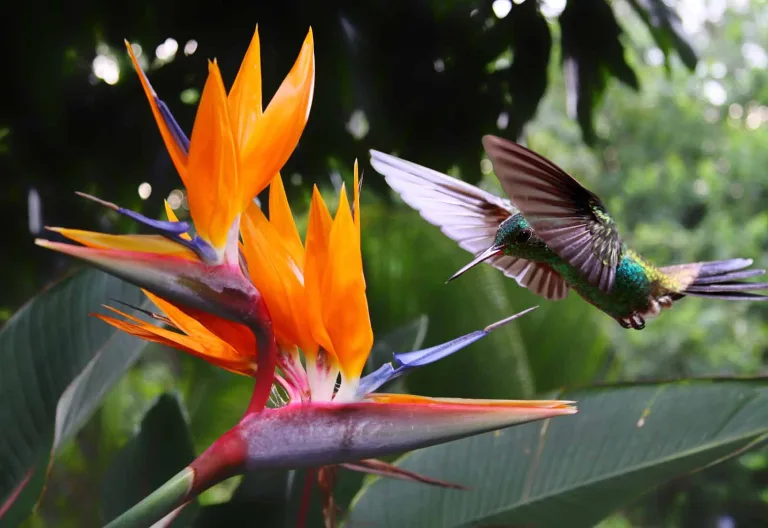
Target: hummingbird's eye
x: 524, y: 236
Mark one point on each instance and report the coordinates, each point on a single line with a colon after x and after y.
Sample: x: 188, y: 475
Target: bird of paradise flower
x: 292, y: 315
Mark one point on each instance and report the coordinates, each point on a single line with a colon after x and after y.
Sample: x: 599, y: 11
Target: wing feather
x: 466, y: 214
x: 570, y: 219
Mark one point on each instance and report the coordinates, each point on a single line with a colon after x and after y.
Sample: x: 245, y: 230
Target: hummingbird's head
x: 516, y: 236
x: 514, y: 232
x: 513, y: 237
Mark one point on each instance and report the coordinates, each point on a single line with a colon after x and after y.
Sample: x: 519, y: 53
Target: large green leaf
x: 573, y: 472
x: 57, y: 364
x: 162, y: 448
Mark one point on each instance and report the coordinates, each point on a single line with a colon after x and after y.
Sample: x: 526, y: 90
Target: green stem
x: 159, y: 503
x: 225, y: 458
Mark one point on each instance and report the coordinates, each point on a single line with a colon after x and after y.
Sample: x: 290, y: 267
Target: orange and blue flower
x: 246, y: 294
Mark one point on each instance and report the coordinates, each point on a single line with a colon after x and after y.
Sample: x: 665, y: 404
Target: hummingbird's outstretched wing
x: 467, y: 215
x: 570, y: 219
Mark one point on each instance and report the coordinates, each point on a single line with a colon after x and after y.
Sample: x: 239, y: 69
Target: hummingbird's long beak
x: 485, y: 255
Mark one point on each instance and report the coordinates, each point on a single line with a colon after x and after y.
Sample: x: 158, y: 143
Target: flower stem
x: 164, y: 499
x: 260, y: 324
x: 306, y: 495
x: 225, y: 458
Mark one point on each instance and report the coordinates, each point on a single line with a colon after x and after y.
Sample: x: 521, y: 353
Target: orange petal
x: 193, y: 328
x: 278, y: 278
x: 143, y: 243
x: 245, y: 96
x: 140, y: 331
x: 209, y: 351
x: 178, y: 156
x: 281, y: 218
x: 271, y: 141
x: 345, y: 307
x: 212, y: 174
x: 193, y: 322
x: 173, y: 218
x: 318, y: 238
x: 390, y: 398
x: 238, y: 336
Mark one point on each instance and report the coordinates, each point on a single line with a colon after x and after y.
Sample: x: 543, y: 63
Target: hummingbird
x: 552, y: 235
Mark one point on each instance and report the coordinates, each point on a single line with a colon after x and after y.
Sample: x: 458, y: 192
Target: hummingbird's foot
x: 635, y: 321
x: 665, y: 301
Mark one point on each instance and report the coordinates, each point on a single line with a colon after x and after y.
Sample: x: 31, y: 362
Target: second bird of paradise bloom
x: 271, y: 299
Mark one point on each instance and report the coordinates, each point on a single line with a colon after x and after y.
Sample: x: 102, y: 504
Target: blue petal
x: 419, y: 358
x: 173, y: 231
x: 376, y: 379
x: 178, y: 134
x: 203, y: 249
x: 410, y: 360
x: 170, y: 230
x: 164, y: 226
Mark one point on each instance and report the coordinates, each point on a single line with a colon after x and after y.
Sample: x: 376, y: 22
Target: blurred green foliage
x: 680, y: 164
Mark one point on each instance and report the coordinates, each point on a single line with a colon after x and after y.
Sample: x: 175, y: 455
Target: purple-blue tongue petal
x: 164, y: 227
x: 418, y: 358
x: 179, y: 136
x: 171, y: 230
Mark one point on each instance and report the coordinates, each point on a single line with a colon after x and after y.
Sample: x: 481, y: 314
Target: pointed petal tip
x: 99, y: 201
x: 499, y: 324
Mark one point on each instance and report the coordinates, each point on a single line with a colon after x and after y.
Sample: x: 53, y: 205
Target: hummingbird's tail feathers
x: 730, y: 296
x: 721, y: 279
x: 720, y: 267
x: 732, y: 276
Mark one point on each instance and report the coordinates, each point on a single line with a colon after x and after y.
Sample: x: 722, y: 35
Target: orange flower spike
x: 244, y: 99
x: 318, y: 238
x: 281, y: 218
x: 202, y: 345
x: 219, y: 339
x: 267, y: 142
x: 212, y: 165
x: 174, y: 144
x: 278, y: 278
x: 236, y: 334
x: 345, y: 307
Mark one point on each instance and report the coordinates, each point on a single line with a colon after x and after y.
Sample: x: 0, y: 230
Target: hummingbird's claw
x: 635, y: 321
